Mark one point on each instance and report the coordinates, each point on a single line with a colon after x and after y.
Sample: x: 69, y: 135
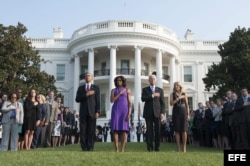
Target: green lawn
x: 104, y: 154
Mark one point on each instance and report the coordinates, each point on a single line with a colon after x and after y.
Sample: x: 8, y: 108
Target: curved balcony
x: 124, y: 26
x: 123, y: 71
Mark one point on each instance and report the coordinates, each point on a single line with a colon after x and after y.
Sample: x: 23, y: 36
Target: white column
x: 112, y: 71
x: 76, y: 80
x: 172, y: 71
x: 200, y: 97
x: 159, y: 68
x: 137, y: 87
x: 172, y: 77
x: 91, y: 57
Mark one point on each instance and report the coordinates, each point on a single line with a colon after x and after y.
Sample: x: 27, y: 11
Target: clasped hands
x: 156, y: 94
x: 90, y: 92
x: 180, y: 97
x: 246, y: 103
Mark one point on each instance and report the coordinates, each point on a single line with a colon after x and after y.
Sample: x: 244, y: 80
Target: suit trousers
x: 243, y: 136
x: 153, y: 133
x: 10, y: 132
x: 43, y: 136
x: 87, y: 132
x: 48, y: 134
x: 36, y: 137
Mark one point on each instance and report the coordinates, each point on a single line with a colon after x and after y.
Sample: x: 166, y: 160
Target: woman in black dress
x: 178, y: 99
x: 31, y: 117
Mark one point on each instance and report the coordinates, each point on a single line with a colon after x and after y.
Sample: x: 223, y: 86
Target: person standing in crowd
x: 121, y: 111
x: 72, y: 129
x: 227, y: 120
x: 208, y: 119
x: 20, y: 126
x: 31, y: 117
x: 234, y: 124
x: 144, y: 131
x: 42, y: 107
x: 105, y: 130
x: 199, y: 125
x: 75, y: 132
x: 88, y: 95
x: 59, y: 102
x: 52, y: 118
x: 138, y: 131
x: 178, y: 99
x: 12, y: 116
x: 215, y: 126
x: 153, y: 112
x: 190, y: 138
x: 4, y: 98
x: 67, y: 123
x: 243, y: 107
x: 56, y: 131
x: 132, y: 132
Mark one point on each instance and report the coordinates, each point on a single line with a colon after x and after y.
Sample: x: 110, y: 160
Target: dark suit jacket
x: 153, y: 106
x: 89, y: 105
x: 228, y: 113
x: 244, y: 111
x: 198, y: 119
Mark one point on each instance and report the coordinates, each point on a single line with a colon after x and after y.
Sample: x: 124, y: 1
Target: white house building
x: 133, y: 49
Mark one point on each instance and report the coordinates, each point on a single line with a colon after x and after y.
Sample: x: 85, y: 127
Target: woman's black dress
x: 179, y: 116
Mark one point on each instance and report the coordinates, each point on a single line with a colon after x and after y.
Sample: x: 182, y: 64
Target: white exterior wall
x: 126, y: 36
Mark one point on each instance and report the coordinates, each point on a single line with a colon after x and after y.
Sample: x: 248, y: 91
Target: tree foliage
x: 19, y: 63
x: 233, y: 70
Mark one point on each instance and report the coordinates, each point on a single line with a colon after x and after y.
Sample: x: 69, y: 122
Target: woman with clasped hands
x: 12, y: 117
x: 179, y: 101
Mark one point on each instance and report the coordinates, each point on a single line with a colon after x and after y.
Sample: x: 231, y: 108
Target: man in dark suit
x: 88, y: 95
x: 233, y: 121
x: 199, y: 124
x: 243, y: 107
x: 208, y: 119
x: 105, y: 130
x: 154, y: 110
x: 227, y: 120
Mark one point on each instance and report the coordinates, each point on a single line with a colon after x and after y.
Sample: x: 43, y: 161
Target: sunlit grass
x: 103, y: 154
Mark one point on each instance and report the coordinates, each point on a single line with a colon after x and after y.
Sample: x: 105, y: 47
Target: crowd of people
x: 36, y: 121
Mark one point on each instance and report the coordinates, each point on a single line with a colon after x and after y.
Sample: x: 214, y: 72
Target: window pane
x: 187, y: 74
x: 124, y: 66
x: 165, y: 69
x: 60, y: 74
x: 103, y: 105
x: 190, y: 103
x: 84, y: 69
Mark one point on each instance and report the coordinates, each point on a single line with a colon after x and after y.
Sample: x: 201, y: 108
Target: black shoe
x: 157, y: 149
x: 150, y: 149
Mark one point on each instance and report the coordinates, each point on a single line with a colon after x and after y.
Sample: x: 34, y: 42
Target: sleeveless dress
x: 120, y: 112
x: 31, y: 115
x: 57, y: 127
x: 179, y: 117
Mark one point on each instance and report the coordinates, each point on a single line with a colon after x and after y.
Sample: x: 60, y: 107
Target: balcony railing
x: 122, y: 71
x: 125, y: 71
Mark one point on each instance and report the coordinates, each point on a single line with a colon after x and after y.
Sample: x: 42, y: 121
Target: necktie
x: 88, y: 87
x: 152, y: 88
x: 245, y: 99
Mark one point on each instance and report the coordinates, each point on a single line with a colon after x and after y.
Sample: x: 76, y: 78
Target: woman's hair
x: 179, y: 84
x: 10, y: 95
x: 124, y: 84
x: 42, y: 98
x: 29, y: 95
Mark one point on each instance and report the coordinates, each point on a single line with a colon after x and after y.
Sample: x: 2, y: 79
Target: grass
x: 104, y: 155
